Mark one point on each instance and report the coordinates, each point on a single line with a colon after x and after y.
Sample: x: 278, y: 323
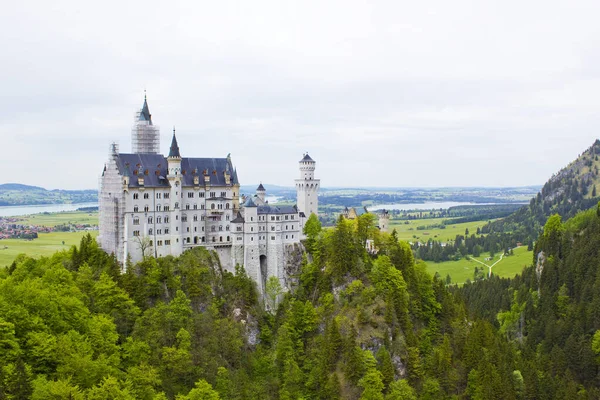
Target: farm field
x: 45, y: 245
x: 53, y: 219
x: 462, y: 270
x: 406, y: 231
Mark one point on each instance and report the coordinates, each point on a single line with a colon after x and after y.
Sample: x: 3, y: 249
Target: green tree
x: 372, y: 386
x: 312, y: 229
x: 401, y: 390
x: 202, y: 391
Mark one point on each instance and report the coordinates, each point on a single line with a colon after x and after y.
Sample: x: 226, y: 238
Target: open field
x: 46, y: 245
x: 406, y: 231
x: 462, y: 270
x: 53, y: 219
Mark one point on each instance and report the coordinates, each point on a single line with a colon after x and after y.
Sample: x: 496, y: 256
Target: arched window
x: 176, y: 205
x: 135, y: 208
x: 146, y: 208
x: 220, y: 227
x: 227, y: 228
x: 212, y: 206
x: 227, y: 206
x: 213, y: 228
x: 158, y: 207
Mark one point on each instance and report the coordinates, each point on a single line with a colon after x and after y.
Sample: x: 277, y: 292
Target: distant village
x: 13, y: 228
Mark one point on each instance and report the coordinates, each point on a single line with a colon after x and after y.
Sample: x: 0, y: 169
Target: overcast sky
x: 398, y: 93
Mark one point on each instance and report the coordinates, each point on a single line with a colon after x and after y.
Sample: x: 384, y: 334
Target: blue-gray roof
x: 307, y: 158
x: 145, y: 114
x: 249, y: 202
x: 174, y: 150
x: 238, y: 219
x: 260, y: 188
x: 153, y: 167
x: 267, y: 209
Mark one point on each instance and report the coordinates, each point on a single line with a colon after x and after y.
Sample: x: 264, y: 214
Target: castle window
x: 195, y: 229
x: 213, y: 194
x: 166, y: 219
x: 195, y: 206
x: 166, y: 231
x: 286, y: 236
x: 167, y: 242
x: 190, y: 195
x: 251, y: 229
x: 272, y: 228
x: 188, y: 239
x: 159, y: 231
x: 292, y: 236
x: 203, y: 239
x: 136, y: 233
x: 177, y: 218
x: 286, y: 227
x: 212, y: 206
x: 188, y: 229
x: 201, y: 194
x: 278, y: 218
x: 184, y: 218
x: 151, y: 243
x: 239, y: 238
x: 292, y: 227
x: 292, y: 216
x: 227, y: 217
x: 150, y: 231
x: 220, y: 227
x: 176, y: 229
x: 202, y: 218
x: 227, y: 228
x: 227, y: 206
x: 228, y: 238
x: 149, y: 220
x: 213, y: 228
x: 135, y: 208
x: 239, y: 229
x: 272, y: 237
x: 146, y: 208
x: 272, y: 218
x: 166, y: 196
x: 146, y: 196
x: 187, y: 207
x: 158, y: 207
x: 159, y: 242
x: 220, y: 238
x: 195, y: 218
x: 158, y: 220
x: 135, y: 196
x: 223, y: 194
x: 286, y: 217
x: 176, y: 205
x: 214, y: 239
x: 252, y: 239
x: 166, y: 208
x: 202, y: 229
x: 202, y: 206
x: 158, y: 195
x: 136, y: 221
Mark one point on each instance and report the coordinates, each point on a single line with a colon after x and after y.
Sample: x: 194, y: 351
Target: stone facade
x: 153, y: 206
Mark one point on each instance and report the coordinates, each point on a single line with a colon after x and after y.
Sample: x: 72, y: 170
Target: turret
x: 307, y: 187
x: 145, y: 136
x: 384, y: 220
x: 175, y: 181
x: 261, y: 192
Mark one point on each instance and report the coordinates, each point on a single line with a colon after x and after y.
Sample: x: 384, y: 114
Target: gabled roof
x: 307, y: 158
x: 174, y: 151
x: 145, y: 114
x: 156, y: 165
x: 260, y: 188
x: 267, y: 209
x: 249, y: 203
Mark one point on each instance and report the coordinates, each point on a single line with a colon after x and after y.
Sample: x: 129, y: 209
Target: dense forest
x: 354, y: 326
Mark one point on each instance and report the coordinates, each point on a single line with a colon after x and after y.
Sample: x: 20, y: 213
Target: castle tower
x: 175, y: 180
x: 384, y: 220
x: 261, y: 192
x: 145, y: 137
x: 307, y: 187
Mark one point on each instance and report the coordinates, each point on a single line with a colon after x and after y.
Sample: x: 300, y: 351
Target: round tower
x: 175, y: 181
x: 384, y: 220
x: 307, y: 187
x: 261, y: 192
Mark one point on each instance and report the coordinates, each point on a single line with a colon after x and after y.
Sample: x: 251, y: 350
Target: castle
x: 152, y: 206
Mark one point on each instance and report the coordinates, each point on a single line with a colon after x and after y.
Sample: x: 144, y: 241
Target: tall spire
x: 174, y: 151
x: 145, y: 114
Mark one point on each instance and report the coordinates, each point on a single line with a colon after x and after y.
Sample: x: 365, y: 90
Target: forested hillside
x: 552, y: 311
x: 14, y: 194
x: 571, y: 190
x: 354, y: 327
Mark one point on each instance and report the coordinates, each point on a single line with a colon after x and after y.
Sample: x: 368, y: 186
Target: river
x: 13, y: 211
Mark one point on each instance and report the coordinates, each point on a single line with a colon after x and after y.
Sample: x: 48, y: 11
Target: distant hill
x: 572, y: 189
x: 14, y: 194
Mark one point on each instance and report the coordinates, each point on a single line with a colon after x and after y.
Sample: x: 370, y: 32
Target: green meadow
x: 463, y: 269
x: 61, y: 218
x: 407, y: 230
x: 45, y: 245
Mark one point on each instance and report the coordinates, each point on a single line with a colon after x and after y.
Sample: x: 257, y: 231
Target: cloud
x: 387, y: 94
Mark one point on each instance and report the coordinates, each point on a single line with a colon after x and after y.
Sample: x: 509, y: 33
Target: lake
x: 12, y: 211
x: 433, y: 205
